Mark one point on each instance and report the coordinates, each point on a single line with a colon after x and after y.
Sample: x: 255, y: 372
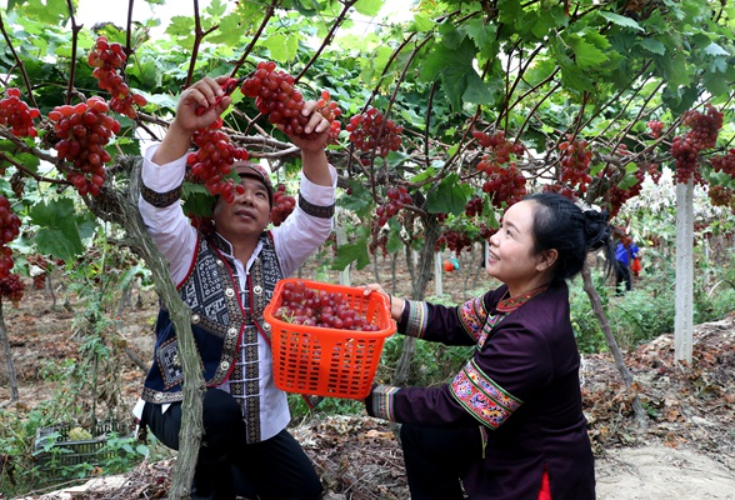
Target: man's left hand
x: 317, y: 128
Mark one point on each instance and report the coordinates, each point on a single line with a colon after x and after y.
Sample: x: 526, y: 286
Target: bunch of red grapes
x: 702, y: 135
x: 725, y: 163
x: 486, y: 232
x: 276, y: 97
x: 656, y: 127
x: 308, y: 307
x: 84, y: 131
x: 561, y: 189
x: 107, y: 58
x: 379, y: 241
x: 704, y: 127
x: 212, y: 162
x: 398, y: 197
x: 721, y: 196
x: 12, y: 287
x: 575, y: 163
x: 283, y: 205
x: 505, y: 184
x: 499, y: 149
x: 454, y: 240
x: 474, y: 207
x: 9, y: 230
x: 617, y: 197
x: 17, y: 115
x: 365, y: 133
x: 202, y: 223
x: 654, y: 171
x: 39, y: 280
x: 330, y: 110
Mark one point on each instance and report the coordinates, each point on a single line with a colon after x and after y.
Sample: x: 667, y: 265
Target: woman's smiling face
x: 511, y: 257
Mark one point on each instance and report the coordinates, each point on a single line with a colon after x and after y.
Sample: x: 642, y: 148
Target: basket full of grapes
x: 326, y: 339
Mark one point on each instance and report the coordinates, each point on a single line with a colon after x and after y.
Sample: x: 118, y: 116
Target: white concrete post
x: 344, y: 275
x: 438, y: 269
x: 684, y: 301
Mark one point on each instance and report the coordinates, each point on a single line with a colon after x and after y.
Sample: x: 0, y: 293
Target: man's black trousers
x: 275, y: 469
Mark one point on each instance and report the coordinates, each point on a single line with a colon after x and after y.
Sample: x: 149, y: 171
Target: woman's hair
x: 558, y: 223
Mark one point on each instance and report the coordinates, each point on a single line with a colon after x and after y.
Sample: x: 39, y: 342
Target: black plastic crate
x: 66, y: 452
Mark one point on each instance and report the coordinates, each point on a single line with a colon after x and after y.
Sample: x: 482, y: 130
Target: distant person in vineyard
x: 227, y: 278
x: 510, y: 424
x: 625, y: 254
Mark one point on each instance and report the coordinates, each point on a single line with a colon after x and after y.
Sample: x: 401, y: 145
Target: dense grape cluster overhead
x: 369, y: 131
x: 277, y: 97
x: 575, y: 163
x: 704, y: 129
x: 84, y: 130
x: 319, y: 308
x: 17, y: 115
x: 107, y: 58
x: 212, y: 162
x: 498, y: 148
x: 505, y: 184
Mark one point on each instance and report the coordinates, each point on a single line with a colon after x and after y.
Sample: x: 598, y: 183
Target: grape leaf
x: 652, y: 45
x: 454, y: 67
x: 587, y: 55
x: 346, y: 254
x: 58, y: 234
x: 621, y: 21
x: 282, y: 48
x: 449, y: 197
x: 368, y: 7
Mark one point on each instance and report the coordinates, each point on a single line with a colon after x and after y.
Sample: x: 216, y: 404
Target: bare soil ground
x: 686, y: 450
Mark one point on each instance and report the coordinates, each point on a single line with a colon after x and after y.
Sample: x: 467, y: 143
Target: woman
x: 510, y: 424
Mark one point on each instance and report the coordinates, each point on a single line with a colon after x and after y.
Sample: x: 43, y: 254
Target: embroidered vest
x: 219, y: 323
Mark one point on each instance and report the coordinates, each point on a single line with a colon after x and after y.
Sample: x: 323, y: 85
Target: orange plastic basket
x: 327, y: 361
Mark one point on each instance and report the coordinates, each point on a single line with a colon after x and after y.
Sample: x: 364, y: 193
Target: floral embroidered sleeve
x: 489, y: 389
x: 461, y: 325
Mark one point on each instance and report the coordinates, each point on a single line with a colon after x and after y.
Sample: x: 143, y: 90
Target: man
x: 227, y: 278
x: 625, y: 253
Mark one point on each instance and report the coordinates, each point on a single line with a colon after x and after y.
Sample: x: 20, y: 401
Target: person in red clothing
x: 509, y: 426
